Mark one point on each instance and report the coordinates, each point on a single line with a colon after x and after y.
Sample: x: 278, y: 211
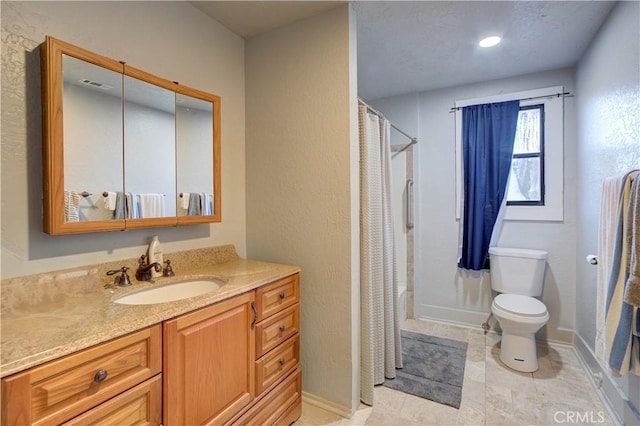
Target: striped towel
x: 622, y: 345
x: 632, y: 288
x: 611, y: 188
x: 71, y: 206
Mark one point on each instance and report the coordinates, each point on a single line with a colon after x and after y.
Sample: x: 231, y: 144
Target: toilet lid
x: 520, y: 305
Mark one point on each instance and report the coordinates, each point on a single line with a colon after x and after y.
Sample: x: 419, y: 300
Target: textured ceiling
x: 410, y: 46
x: 414, y: 46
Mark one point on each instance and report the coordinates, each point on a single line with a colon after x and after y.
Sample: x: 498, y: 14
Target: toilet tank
x: 517, y: 271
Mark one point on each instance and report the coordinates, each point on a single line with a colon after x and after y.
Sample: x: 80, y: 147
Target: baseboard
x: 619, y: 406
x: 559, y: 335
x: 332, y: 407
x: 476, y: 319
x: 452, y: 315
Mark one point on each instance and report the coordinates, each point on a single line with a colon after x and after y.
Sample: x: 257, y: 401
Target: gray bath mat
x: 433, y: 368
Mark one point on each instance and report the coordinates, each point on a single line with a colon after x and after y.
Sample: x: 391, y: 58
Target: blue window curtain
x: 488, y: 134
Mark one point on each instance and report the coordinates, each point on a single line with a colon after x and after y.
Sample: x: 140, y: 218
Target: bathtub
x: 402, y: 302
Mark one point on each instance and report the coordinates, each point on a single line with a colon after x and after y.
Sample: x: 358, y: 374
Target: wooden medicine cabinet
x: 123, y: 148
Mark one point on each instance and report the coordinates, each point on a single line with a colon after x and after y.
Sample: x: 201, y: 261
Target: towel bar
x: 86, y: 194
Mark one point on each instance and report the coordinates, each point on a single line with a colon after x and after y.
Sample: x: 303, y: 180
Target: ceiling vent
x: 95, y: 84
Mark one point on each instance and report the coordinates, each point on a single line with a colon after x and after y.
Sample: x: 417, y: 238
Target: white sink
x: 171, y: 292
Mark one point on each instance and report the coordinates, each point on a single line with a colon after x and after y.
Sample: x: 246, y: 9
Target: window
x: 546, y: 159
x: 526, y: 180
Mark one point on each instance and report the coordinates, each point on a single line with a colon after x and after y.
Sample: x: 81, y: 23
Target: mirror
x: 120, y: 145
x: 198, y: 160
x: 149, y: 150
x: 92, y: 123
x: 74, y: 177
x: 194, y: 129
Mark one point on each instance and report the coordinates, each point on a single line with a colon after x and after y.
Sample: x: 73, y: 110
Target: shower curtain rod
x: 555, y: 95
x: 379, y: 114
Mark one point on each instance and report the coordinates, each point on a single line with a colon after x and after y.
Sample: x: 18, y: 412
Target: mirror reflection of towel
x: 151, y: 205
x: 194, y: 205
x: 71, y: 206
x: 110, y: 200
x: 186, y: 197
x: 207, y: 204
x: 120, y: 209
x: 132, y: 211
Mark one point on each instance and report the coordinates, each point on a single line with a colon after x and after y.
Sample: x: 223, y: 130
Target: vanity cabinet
x: 236, y: 362
x: 117, y: 379
x: 123, y: 148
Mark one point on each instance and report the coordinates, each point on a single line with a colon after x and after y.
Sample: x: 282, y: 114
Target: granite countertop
x: 48, y: 327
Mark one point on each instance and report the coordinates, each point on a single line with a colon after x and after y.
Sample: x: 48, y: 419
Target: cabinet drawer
x: 277, y: 296
x: 60, y: 390
x: 282, y: 403
x: 277, y: 363
x: 276, y: 329
x: 291, y: 415
x: 141, y: 405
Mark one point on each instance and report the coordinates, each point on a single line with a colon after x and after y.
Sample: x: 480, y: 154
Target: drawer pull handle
x: 100, y: 376
x: 281, y: 362
x: 282, y: 328
x: 281, y: 295
x: 255, y: 315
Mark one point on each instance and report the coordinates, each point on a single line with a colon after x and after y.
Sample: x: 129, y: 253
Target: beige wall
x: 301, y: 186
x: 170, y: 39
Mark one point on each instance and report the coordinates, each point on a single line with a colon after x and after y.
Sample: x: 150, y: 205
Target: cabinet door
x: 208, y: 363
x: 82, y: 138
x: 149, y: 149
x: 197, y: 159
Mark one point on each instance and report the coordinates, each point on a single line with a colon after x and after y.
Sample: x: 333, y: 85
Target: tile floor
x: 558, y: 393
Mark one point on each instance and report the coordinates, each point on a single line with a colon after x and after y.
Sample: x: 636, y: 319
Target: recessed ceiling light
x: 489, y: 41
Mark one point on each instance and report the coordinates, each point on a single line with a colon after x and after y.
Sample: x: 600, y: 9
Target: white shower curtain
x: 380, y: 352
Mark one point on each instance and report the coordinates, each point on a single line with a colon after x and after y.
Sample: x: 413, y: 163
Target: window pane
x: 527, y: 132
x: 524, y: 180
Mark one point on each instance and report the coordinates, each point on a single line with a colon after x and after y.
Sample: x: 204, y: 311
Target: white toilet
x: 518, y: 275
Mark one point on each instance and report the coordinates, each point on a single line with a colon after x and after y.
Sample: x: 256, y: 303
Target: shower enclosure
x: 403, y: 220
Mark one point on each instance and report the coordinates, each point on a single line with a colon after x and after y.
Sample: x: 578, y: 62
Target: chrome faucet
x: 144, y: 271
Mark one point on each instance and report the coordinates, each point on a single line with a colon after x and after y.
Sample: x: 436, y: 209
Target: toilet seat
x: 524, y: 306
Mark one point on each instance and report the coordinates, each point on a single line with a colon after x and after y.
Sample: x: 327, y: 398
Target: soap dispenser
x: 155, y: 255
